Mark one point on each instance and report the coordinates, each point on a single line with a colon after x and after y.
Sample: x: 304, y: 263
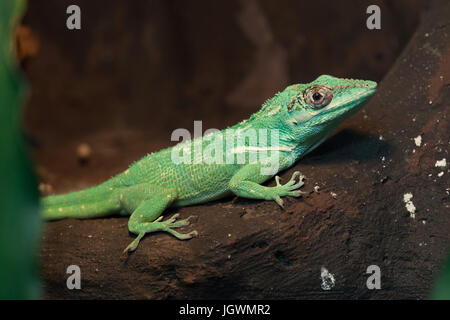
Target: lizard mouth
x: 356, y: 100
x: 362, y: 96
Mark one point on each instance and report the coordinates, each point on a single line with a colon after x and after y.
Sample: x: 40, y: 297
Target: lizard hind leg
x: 146, y: 217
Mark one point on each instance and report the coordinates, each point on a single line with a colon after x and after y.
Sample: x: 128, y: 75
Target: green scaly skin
x: 304, y: 114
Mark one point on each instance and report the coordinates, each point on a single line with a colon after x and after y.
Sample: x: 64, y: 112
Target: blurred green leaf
x: 441, y: 290
x: 19, y: 216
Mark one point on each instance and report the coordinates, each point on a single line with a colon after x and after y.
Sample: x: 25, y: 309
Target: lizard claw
x: 133, y: 245
x: 279, y: 201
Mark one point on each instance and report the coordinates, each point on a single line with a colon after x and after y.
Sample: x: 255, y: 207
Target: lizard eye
x: 318, y: 96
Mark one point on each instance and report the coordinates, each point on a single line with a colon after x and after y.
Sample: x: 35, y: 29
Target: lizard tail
x: 92, y: 202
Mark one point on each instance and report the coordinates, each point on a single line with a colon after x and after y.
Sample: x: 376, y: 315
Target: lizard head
x: 326, y: 100
x: 310, y: 112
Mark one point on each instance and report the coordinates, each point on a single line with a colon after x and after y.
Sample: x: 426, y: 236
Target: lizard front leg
x: 147, y: 202
x: 246, y: 183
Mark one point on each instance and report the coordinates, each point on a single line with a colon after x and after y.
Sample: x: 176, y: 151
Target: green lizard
x: 302, y: 116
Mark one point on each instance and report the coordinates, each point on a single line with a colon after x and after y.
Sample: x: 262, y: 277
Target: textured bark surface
x: 253, y: 249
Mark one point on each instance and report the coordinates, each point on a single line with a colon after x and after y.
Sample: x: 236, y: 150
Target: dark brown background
x: 152, y: 66
x: 138, y: 70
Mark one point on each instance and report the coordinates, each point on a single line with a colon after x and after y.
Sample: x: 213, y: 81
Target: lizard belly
x: 202, y: 198
x: 203, y: 183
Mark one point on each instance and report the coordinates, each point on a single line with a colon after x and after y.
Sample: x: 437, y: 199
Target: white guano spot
x: 441, y: 163
x: 328, y: 280
x: 407, y: 197
x: 418, y: 140
x: 409, y: 204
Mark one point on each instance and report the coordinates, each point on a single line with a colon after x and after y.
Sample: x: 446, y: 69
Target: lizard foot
x: 166, y: 226
x: 172, y: 222
x: 288, y: 189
